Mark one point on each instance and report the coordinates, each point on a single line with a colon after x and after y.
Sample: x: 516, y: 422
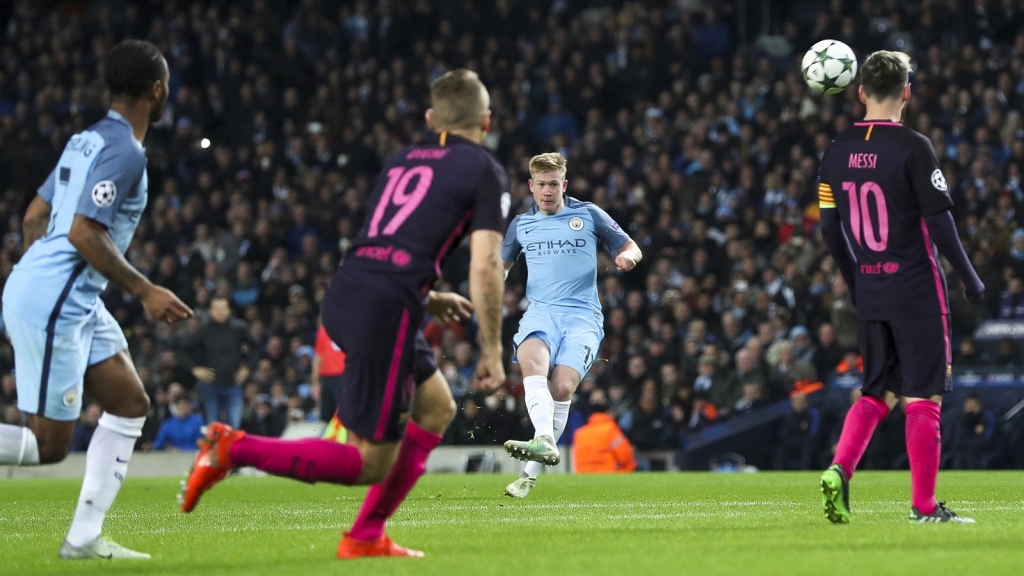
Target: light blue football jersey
x: 561, y: 253
x: 100, y: 175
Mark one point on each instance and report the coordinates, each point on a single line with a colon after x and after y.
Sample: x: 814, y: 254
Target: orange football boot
x: 383, y: 546
x: 212, y: 464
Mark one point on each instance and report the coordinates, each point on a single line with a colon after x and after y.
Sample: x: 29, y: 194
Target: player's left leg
x: 927, y: 376
x: 114, y: 383
x: 432, y: 411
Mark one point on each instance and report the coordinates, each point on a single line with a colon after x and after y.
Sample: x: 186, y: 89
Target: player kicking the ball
x: 393, y: 401
x: 65, y: 341
x: 560, y: 334
x: 884, y: 210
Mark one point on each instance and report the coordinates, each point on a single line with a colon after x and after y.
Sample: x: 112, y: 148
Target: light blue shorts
x: 574, y: 338
x: 50, y: 367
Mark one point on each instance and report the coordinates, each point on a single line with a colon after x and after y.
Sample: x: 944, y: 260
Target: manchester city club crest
x: 576, y: 223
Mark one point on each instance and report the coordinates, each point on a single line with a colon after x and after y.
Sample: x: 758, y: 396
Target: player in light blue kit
x: 65, y: 341
x: 561, y: 332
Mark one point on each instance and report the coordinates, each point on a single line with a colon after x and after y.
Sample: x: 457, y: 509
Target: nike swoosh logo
x: 528, y: 231
x: 118, y: 458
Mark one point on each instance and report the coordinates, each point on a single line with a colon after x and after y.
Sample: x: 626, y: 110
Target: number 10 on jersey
x: 860, y: 215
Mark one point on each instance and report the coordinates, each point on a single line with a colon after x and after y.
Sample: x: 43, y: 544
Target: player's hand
x: 624, y: 263
x: 975, y: 296
x: 163, y: 305
x: 242, y: 375
x: 449, y: 307
x: 314, y: 391
x: 490, y: 373
x: 204, y: 374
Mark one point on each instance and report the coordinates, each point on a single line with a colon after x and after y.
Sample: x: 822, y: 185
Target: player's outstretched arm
x: 629, y: 256
x: 37, y: 218
x: 486, y: 289
x: 93, y: 242
x: 942, y: 229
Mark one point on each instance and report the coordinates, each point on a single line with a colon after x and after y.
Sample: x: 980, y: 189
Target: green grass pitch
x: 768, y: 523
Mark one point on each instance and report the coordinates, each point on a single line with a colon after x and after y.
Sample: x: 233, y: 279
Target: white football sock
x: 18, y: 446
x: 561, y: 417
x: 106, y: 464
x: 540, y: 405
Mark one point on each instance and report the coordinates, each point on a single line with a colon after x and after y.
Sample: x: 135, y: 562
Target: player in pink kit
x: 392, y: 399
x: 884, y: 211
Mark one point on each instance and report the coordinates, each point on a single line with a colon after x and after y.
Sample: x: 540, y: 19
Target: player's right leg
x: 926, y: 375
x: 378, y: 335
x: 577, y: 350
x: 111, y: 379
x: 533, y: 353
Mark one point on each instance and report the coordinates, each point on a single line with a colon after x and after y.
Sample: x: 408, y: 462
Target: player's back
x: 428, y: 196
x: 884, y: 180
x: 101, y: 175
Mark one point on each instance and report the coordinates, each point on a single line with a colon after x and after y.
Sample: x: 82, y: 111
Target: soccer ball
x: 829, y: 67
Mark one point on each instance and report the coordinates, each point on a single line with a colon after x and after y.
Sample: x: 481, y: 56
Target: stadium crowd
x: 701, y: 145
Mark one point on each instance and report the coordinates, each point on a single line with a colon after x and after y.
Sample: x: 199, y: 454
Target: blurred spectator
x: 648, y: 425
x: 263, y: 420
x: 224, y: 349
x: 1011, y: 301
x: 328, y: 365
x: 183, y: 430
x: 1007, y: 355
x: 968, y: 354
x: 788, y: 370
x: 599, y: 446
x: 703, y: 414
x: 798, y: 439
x: 803, y: 349
x: 751, y: 398
x: 972, y: 444
x: 501, y: 420
x: 86, y: 427
x: 851, y: 364
x: 730, y: 390
x: 827, y: 354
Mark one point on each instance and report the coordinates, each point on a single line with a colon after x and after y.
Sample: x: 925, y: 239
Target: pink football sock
x: 383, y: 499
x: 861, y: 421
x: 310, y: 459
x: 924, y: 447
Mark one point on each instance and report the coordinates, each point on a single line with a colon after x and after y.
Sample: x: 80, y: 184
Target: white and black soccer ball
x: 829, y: 67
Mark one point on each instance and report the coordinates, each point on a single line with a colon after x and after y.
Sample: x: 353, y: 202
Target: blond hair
x: 885, y: 75
x: 459, y: 100
x: 549, y: 162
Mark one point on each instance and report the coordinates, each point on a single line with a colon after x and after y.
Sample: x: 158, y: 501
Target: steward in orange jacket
x: 599, y: 446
